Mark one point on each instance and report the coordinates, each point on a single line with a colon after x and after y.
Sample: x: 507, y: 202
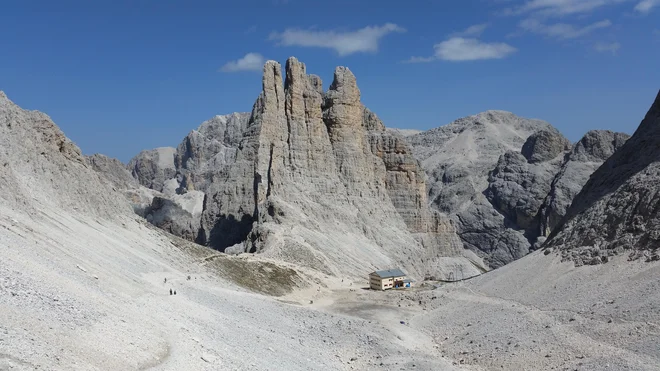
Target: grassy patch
x: 259, y: 276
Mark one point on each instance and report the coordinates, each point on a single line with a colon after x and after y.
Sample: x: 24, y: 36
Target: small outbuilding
x: 388, y: 279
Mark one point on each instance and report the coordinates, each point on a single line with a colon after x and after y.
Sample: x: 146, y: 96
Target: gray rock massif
x: 522, y: 180
x: 618, y: 210
x: 176, y: 213
x: 404, y: 132
x: 173, y: 180
x: 585, y: 157
x: 458, y: 159
x: 506, y: 180
x: 152, y: 168
x: 312, y: 178
x: 318, y: 180
x: 206, y: 152
x: 42, y: 167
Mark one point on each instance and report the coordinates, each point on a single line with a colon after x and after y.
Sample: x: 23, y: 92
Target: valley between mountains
x: 528, y: 252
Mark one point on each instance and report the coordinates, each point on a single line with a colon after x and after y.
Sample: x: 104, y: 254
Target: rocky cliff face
x: 458, y: 159
x: 152, y: 168
x: 205, y: 152
x: 618, y: 210
x: 313, y: 178
x: 522, y: 180
x: 39, y: 165
x: 506, y: 180
x: 585, y: 157
x: 319, y: 180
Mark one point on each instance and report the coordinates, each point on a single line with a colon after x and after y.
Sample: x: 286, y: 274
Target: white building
x: 388, y: 279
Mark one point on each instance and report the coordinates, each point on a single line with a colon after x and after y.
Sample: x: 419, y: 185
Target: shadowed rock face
x: 585, y: 157
x: 618, y: 210
x: 521, y: 180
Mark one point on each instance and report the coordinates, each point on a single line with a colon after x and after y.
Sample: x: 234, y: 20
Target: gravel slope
x: 78, y: 293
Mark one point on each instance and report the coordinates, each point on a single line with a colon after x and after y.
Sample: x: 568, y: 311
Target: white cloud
x: 561, y: 30
x: 459, y: 49
x: 645, y: 6
x: 343, y: 42
x: 250, y: 62
x: 475, y: 30
x: 562, y: 7
x: 607, y: 47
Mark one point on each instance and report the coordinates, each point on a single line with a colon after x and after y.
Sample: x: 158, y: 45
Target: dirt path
x: 382, y: 308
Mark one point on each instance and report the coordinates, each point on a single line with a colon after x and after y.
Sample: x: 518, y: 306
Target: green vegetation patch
x: 258, y: 276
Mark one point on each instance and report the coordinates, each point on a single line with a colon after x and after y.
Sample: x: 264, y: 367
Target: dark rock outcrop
x: 585, y: 157
x: 521, y: 181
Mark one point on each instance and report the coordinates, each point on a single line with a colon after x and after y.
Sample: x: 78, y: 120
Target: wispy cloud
x: 343, y: 42
x: 250, y: 62
x: 561, y: 7
x: 472, y: 31
x: 561, y: 30
x: 607, y: 47
x: 645, y: 6
x: 459, y: 49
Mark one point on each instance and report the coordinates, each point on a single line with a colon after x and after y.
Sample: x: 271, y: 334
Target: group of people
x: 172, y: 292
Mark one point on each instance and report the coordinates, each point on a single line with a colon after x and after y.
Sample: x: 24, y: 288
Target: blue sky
x: 121, y: 76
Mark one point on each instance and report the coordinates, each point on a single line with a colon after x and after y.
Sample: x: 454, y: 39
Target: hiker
x: 165, y: 280
x: 170, y: 291
x: 174, y: 292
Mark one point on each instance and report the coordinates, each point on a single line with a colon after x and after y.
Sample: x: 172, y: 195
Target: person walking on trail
x: 174, y: 292
x: 170, y: 291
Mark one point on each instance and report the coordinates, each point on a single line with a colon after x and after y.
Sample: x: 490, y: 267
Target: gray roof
x: 389, y: 273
